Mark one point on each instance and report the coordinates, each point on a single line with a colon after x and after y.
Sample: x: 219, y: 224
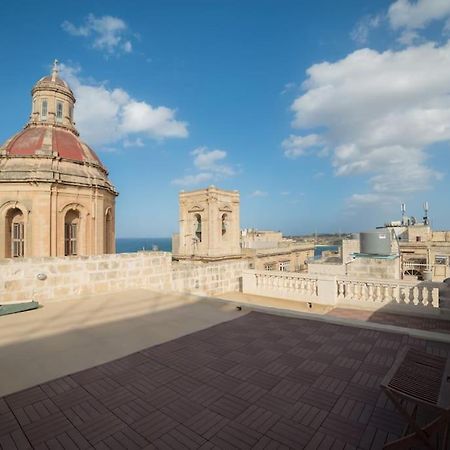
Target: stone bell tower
x: 209, y: 225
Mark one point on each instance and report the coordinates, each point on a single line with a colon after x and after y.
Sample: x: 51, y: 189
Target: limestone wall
x: 76, y: 276
x: 67, y: 277
x: 208, y: 278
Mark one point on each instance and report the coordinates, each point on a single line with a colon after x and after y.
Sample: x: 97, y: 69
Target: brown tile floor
x: 398, y: 320
x: 261, y: 381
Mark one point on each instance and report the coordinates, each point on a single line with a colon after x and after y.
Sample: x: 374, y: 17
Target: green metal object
x: 17, y: 307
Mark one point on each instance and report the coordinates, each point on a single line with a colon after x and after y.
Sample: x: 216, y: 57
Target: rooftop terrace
x: 131, y: 374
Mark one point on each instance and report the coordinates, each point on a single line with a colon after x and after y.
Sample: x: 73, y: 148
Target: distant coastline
x: 131, y: 245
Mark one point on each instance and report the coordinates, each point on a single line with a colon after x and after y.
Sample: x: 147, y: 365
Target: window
x: 269, y: 266
x: 59, y: 111
x: 44, y: 108
x: 15, y: 234
x: 71, y: 231
x: 18, y: 240
x: 224, y: 224
x: 198, y: 227
x: 71, y: 112
x: 109, y: 233
x: 284, y: 266
x: 440, y: 260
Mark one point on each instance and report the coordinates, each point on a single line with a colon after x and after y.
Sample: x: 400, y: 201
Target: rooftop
x: 197, y: 375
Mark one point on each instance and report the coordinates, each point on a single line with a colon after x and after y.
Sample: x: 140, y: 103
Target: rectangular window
x: 440, y: 259
x: 44, y: 109
x: 269, y: 266
x: 18, y: 240
x: 71, y: 239
x: 59, y: 111
x: 71, y: 112
x: 284, y: 266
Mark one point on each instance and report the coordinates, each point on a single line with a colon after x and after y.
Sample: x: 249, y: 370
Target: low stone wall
x: 77, y: 276
x: 67, y: 277
x: 208, y: 278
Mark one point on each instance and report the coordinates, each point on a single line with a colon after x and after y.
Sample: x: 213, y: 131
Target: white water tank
x: 376, y: 242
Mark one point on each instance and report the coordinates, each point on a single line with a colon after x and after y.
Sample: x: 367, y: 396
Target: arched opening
x: 108, y: 231
x: 224, y: 224
x: 44, y: 108
x: 198, y: 227
x: 15, y: 234
x: 72, y: 232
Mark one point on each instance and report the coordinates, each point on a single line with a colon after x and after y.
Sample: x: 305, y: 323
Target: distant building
x: 55, y: 195
x: 209, y: 225
x: 269, y: 250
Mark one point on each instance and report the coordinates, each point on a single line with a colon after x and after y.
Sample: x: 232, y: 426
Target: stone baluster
x: 340, y: 290
x: 435, y: 297
x: 415, y: 296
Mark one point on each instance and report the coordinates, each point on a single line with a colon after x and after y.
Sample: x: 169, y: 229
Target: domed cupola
x: 51, y: 134
x: 55, y: 195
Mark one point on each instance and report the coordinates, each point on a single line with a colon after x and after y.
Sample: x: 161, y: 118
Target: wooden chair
x: 422, y: 379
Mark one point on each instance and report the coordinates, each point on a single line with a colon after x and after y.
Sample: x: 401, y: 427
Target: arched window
x: 44, y: 108
x: 71, y: 232
x: 198, y: 227
x: 59, y: 111
x: 15, y: 234
x: 108, y: 231
x: 224, y: 223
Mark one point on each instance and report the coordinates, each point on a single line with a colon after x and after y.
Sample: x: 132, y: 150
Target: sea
x: 324, y: 248
x: 131, y: 245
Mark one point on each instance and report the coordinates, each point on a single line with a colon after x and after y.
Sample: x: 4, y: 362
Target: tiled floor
x: 399, y: 320
x: 261, y: 381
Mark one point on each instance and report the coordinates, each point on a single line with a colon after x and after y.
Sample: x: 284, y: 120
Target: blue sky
x: 325, y: 115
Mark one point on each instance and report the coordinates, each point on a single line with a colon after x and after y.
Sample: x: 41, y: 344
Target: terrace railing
x: 342, y: 291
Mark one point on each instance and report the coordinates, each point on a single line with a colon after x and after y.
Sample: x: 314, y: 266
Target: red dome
x: 34, y: 139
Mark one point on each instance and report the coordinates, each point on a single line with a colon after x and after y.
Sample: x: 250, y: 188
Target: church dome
x: 49, y: 148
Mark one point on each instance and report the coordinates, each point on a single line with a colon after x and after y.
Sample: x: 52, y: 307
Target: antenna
x: 426, y: 221
x: 403, y: 208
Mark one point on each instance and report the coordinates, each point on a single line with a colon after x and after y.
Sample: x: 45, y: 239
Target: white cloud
x: 211, y: 167
x: 417, y: 14
x: 138, y: 142
x: 258, y: 193
x: 108, y: 33
x: 192, y: 180
x: 104, y: 115
x: 361, y: 31
x: 295, y: 146
x: 211, y: 161
x: 288, y: 87
x: 380, y: 112
x: 409, y: 37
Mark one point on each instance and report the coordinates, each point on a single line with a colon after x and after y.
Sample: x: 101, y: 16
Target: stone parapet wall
x: 68, y: 277
x: 208, y: 278
x: 83, y: 275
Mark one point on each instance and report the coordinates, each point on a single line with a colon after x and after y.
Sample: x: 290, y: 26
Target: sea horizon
x: 132, y: 245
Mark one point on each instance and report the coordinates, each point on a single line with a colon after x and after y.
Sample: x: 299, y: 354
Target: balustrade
x: 340, y: 290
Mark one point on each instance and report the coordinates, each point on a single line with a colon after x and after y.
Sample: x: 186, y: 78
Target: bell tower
x: 209, y: 225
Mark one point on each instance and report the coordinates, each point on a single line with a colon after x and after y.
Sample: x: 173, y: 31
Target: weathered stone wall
x: 374, y: 268
x: 67, y: 277
x: 77, y: 276
x: 208, y: 278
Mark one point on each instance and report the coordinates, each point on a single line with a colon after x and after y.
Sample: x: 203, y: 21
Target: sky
x: 325, y: 115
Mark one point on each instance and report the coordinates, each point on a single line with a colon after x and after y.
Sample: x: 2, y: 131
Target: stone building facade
x: 55, y: 195
x: 209, y: 225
